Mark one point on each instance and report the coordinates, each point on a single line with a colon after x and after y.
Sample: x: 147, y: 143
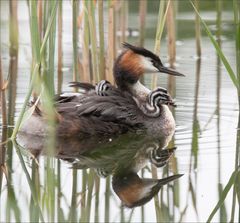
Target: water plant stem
x: 219, y: 51
x: 38, y: 56
x: 2, y: 96
x: 142, y: 21
x: 111, y: 40
x: 101, y: 40
x: 160, y: 25
x: 93, y: 38
x: 197, y: 30
x: 171, y: 46
x: 75, y: 38
x: 29, y: 180
x: 86, y: 56
x: 60, y: 59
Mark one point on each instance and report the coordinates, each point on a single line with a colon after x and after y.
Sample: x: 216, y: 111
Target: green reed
x: 2, y: 95
x: 122, y: 16
x: 51, y: 51
x: 171, y: 38
x: 30, y: 181
x: 38, y: 53
x: 75, y: 10
x: 33, y: 208
x: 232, y: 183
x: 93, y: 40
x: 101, y: 40
x: 219, y: 51
x: 236, y: 8
x: 111, y: 52
x: 107, y: 200
x: 60, y: 53
x: 159, y: 31
x: 83, y: 196
x: 89, y: 194
x: 73, y: 209
x: 13, y: 66
x: 86, y: 48
x: 142, y: 21
x: 2, y: 90
x: 223, y: 211
x: 97, y: 190
x: 197, y: 30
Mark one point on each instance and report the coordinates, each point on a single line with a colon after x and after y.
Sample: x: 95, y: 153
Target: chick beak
x: 170, y: 71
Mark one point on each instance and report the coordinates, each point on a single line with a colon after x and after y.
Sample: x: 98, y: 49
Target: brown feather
x: 131, y: 61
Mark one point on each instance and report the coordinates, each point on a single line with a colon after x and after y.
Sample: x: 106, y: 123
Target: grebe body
x: 109, y: 110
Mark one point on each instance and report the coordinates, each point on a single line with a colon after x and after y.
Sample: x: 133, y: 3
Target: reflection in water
x: 6, y: 165
x: 134, y: 191
x: 122, y: 157
x: 223, y: 213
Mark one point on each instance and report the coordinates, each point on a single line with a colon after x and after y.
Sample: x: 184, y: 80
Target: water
x: 206, y: 117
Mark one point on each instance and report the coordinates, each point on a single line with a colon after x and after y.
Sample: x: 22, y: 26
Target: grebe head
x: 154, y: 102
x: 135, y: 191
x: 134, y: 62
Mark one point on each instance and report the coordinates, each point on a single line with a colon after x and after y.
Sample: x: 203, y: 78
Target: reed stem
x: 171, y: 46
x: 86, y: 55
x: 111, y: 40
x: 101, y: 40
x: 236, y: 7
x: 156, y: 198
x: 93, y: 35
x: 29, y: 180
x: 40, y: 15
x: 73, y: 213
x: 123, y: 21
x: 60, y: 53
x: 197, y: 30
x: 97, y: 190
x: 38, y: 55
x: 107, y: 200
x: 2, y: 95
x: 160, y: 25
x: 142, y: 21
x: 75, y: 38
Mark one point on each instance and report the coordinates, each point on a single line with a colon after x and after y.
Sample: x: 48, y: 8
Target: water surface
x: 206, y: 117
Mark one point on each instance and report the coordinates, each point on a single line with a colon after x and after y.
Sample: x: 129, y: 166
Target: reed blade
x: 218, y: 50
x: 224, y: 194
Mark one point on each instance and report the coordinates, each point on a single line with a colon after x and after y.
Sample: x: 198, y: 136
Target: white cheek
x: 147, y: 64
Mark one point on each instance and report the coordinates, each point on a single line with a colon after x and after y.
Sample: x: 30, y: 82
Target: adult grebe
x: 129, y: 107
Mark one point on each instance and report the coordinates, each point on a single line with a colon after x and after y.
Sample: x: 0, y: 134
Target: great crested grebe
x: 129, y: 107
x: 135, y: 191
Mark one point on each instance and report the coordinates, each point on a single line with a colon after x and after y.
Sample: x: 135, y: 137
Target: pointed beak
x: 169, y: 179
x: 170, y: 71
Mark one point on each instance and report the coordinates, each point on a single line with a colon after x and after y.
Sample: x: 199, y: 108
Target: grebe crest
x: 132, y: 64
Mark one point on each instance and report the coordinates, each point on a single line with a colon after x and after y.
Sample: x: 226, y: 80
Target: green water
x: 75, y: 183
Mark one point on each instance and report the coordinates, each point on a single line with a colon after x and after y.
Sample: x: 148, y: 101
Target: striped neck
x: 152, y: 107
x: 102, y: 88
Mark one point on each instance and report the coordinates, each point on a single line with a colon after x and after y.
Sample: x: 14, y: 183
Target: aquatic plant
x: 234, y: 179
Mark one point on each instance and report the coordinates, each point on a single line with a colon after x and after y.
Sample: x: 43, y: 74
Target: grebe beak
x: 170, y: 71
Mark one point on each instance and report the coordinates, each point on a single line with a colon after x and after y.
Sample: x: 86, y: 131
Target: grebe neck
x: 139, y: 91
